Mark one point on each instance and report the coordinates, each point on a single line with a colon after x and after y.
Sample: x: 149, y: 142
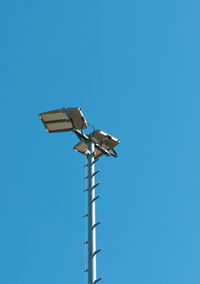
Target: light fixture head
x: 63, y: 120
x: 101, y: 140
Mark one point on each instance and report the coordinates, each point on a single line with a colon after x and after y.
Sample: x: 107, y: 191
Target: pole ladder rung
x: 92, y: 187
x: 85, y: 243
x: 86, y: 215
x: 96, y: 198
x: 98, y: 280
x: 86, y: 270
x: 98, y: 223
x: 94, y: 174
x: 92, y: 163
x: 97, y: 251
x: 96, y: 185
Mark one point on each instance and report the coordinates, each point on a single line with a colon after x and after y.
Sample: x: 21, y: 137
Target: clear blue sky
x: 133, y: 66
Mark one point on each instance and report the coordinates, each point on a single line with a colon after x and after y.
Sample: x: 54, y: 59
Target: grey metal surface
x: 104, y: 139
x: 91, y: 217
x: 104, y: 143
x: 82, y: 146
x: 62, y: 120
x: 60, y: 126
x: 77, y: 117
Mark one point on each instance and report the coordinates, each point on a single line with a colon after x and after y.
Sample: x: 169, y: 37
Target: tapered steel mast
x: 92, y: 273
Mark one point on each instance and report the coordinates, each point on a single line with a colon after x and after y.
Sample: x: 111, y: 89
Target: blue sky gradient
x: 134, y: 68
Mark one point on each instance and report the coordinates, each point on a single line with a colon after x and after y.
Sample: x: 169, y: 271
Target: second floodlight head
x: 104, y: 144
x: 63, y: 120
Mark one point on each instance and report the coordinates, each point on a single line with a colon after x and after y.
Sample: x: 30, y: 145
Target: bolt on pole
x: 91, y: 217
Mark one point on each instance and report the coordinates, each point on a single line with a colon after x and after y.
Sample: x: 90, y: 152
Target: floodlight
x: 82, y: 148
x: 93, y: 146
x: 105, y: 140
x: 63, y: 120
x: 101, y: 140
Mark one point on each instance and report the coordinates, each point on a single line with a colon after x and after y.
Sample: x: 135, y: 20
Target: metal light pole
x: 94, y: 145
x: 91, y: 217
x: 92, y: 270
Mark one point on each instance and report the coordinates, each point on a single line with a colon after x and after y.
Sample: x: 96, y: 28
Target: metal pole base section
x: 92, y: 274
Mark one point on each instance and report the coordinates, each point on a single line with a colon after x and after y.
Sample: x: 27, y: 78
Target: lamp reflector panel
x: 63, y: 120
x: 105, y: 140
x: 82, y: 147
x: 77, y: 117
x: 101, y: 138
x: 60, y: 126
x: 54, y: 116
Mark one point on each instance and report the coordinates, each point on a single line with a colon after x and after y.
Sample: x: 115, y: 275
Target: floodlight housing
x: 101, y: 139
x: 63, y: 120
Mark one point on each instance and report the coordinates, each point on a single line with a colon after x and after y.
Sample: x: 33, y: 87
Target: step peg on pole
x: 96, y: 198
x: 98, y: 223
x: 94, y: 174
x: 98, y: 280
x: 96, y: 160
x: 86, y: 215
x: 85, y: 270
x: 96, y: 185
x: 97, y: 251
x: 92, y: 163
x: 92, y: 187
x: 85, y: 243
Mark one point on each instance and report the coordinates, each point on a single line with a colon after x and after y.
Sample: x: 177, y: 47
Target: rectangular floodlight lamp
x: 105, y: 140
x: 82, y: 147
x: 63, y: 120
x: 101, y: 138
